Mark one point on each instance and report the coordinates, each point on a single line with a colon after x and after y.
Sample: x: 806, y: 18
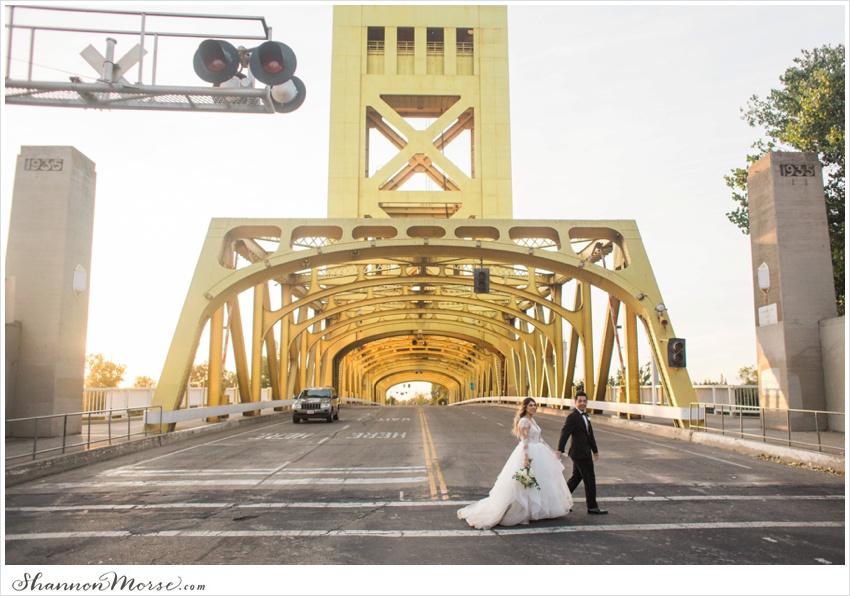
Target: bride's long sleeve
x: 525, y: 434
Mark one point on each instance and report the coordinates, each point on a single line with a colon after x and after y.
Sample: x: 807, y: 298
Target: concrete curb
x: 25, y: 472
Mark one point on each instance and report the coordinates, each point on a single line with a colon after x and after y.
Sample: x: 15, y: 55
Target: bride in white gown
x: 510, y: 503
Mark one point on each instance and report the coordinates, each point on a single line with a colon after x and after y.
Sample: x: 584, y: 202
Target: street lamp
x: 763, y: 273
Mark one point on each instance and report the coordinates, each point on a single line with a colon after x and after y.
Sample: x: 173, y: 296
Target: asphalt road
x: 382, y: 486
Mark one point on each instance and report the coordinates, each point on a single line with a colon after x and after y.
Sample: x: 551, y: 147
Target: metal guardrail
x: 86, y: 420
x: 655, y: 411
x: 148, y: 417
x: 781, y: 423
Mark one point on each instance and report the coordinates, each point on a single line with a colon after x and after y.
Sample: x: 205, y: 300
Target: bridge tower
x: 47, y: 287
x: 410, y: 84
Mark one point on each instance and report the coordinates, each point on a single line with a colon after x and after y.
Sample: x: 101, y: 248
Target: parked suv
x: 316, y: 402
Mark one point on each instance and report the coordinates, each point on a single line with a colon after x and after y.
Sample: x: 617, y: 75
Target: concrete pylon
x: 793, y: 283
x: 48, y: 257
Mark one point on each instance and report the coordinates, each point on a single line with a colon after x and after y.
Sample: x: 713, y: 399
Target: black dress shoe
x: 597, y: 511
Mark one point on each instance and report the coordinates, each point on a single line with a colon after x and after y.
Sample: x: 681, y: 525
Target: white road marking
x: 465, y: 533
x: 208, y: 443
x: 261, y: 471
x: 769, y: 539
x: 209, y: 472
x: 293, y: 505
x: 239, y: 482
x: 231, y: 478
x: 727, y: 498
x: 824, y: 561
x: 374, y: 504
x: 302, y: 481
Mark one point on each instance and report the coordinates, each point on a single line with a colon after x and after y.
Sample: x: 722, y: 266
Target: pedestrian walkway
x: 750, y: 428
x: 102, y: 433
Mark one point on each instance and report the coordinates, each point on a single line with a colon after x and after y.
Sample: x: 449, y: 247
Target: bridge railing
x: 792, y: 427
x: 70, y: 437
x: 97, y: 427
x: 642, y: 409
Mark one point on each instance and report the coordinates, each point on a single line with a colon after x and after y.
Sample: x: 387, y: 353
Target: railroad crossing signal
x: 676, y: 352
x: 102, y: 64
x: 221, y: 63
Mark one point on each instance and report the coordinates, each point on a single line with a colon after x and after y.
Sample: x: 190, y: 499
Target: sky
x: 624, y: 111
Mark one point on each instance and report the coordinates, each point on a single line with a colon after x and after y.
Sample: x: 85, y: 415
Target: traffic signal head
x: 216, y: 61
x: 481, y: 280
x: 676, y: 352
x: 273, y: 63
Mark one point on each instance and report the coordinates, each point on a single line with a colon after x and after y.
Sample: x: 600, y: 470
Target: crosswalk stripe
x: 375, y: 504
x: 465, y: 533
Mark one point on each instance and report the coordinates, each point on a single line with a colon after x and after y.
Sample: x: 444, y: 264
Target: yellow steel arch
x: 421, y: 276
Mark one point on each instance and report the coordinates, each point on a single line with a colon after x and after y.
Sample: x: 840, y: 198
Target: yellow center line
x: 431, y: 459
x: 433, y: 484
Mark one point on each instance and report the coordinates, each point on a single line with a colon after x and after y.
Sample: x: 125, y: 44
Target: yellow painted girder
x: 215, y: 283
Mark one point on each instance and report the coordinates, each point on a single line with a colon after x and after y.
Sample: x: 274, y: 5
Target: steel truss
x: 361, y: 304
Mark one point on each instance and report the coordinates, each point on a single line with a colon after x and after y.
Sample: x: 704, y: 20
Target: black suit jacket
x: 583, y: 445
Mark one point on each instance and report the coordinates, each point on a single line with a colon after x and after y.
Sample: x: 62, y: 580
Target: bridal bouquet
x: 525, y: 476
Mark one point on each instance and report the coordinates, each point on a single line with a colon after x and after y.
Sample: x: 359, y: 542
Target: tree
x: 200, y: 372
x: 265, y: 377
x: 144, y: 381
x: 722, y: 381
x: 748, y: 375
x: 644, y: 376
x: 229, y: 378
x: 102, y: 372
x: 805, y: 114
x: 198, y: 375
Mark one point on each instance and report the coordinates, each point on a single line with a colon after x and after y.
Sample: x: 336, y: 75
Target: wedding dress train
x: 509, y: 502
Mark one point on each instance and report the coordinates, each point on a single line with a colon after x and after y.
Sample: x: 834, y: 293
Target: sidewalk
x: 826, y: 451
x: 103, y: 434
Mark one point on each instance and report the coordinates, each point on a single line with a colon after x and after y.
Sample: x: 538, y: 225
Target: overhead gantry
x: 363, y: 305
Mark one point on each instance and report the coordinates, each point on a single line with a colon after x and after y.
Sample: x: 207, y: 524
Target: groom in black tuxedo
x: 583, y: 451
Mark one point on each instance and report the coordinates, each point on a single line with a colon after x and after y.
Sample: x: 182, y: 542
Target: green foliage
x: 644, y: 376
x: 722, y: 381
x: 265, y: 377
x: 228, y: 377
x: 102, y: 372
x: 144, y: 381
x: 806, y: 114
x: 200, y: 372
x: 748, y: 375
x: 198, y: 375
